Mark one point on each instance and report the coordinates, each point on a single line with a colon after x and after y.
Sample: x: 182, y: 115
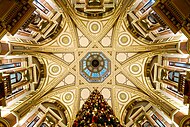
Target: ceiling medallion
x: 68, y: 97
x: 136, y: 69
x: 95, y: 67
x: 123, y: 96
x: 94, y: 27
x: 124, y: 39
x: 65, y: 40
x: 54, y: 70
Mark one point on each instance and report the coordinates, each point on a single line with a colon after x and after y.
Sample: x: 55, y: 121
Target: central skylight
x: 95, y: 67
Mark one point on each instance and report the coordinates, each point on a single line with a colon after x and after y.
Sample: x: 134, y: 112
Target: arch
x: 40, y: 70
x: 56, y: 104
x: 57, y: 108
x: 131, y: 108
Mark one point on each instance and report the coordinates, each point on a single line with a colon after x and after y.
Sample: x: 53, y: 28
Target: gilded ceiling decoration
x: 95, y: 52
x: 96, y: 49
x: 95, y: 67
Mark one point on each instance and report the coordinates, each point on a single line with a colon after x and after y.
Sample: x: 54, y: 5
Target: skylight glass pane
x: 95, y: 67
x: 176, y: 74
x: 102, y: 71
x: 13, y: 80
x: 87, y: 72
x: 95, y: 75
x: 19, y: 76
x: 106, y: 64
x: 170, y: 75
x: 12, y: 75
x: 176, y: 79
x: 84, y: 64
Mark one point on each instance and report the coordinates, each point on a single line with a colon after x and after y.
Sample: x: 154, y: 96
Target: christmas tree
x: 96, y: 112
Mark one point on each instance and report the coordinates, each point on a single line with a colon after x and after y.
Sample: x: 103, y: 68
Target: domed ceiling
x: 96, y: 52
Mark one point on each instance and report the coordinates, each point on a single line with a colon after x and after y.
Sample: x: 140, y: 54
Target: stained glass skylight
x: 95, y: 67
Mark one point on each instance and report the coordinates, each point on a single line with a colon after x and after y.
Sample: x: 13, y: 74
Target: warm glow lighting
x: 5, y: 38
x: 183, y: 38
x: 5, y: 112
x: 185, y: 55
x: 175, y: 124
x: 178, y: 55
x: 184, y: 109
x: 11, y: 56
x: 22, y: 121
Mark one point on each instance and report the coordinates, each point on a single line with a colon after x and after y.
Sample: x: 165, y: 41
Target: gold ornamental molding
x: 32, y: 48
x: 69, y: 10
x: 160, y: 102
x: 185, y: 122
x: 137, y: 57
x: 4, y: 123
x: 150, y: 47
x: 22, y: 109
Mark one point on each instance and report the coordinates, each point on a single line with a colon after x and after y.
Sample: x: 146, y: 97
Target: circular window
x: 95, y: 67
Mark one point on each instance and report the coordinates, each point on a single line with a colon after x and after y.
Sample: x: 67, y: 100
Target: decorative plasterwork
x: 122, y: 96
x: 68, y: 97
x: 108, y: 36
x: 67, y: 57
x: 106, y: 40
x: 65, y: 40
x: 83, y: 40
x: 121, y: 79
x: 124, y: 39
x: 136, y: 69
x: 54, y: 70
x: 95, y: 27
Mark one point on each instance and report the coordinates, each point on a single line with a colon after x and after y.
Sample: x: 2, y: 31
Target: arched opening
x: 142, y: 113
x: 132, y: 108
x: 48, y: 114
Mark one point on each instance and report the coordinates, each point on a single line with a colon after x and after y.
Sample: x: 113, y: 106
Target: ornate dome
x: 95, y: 67
x: 125, y: 49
